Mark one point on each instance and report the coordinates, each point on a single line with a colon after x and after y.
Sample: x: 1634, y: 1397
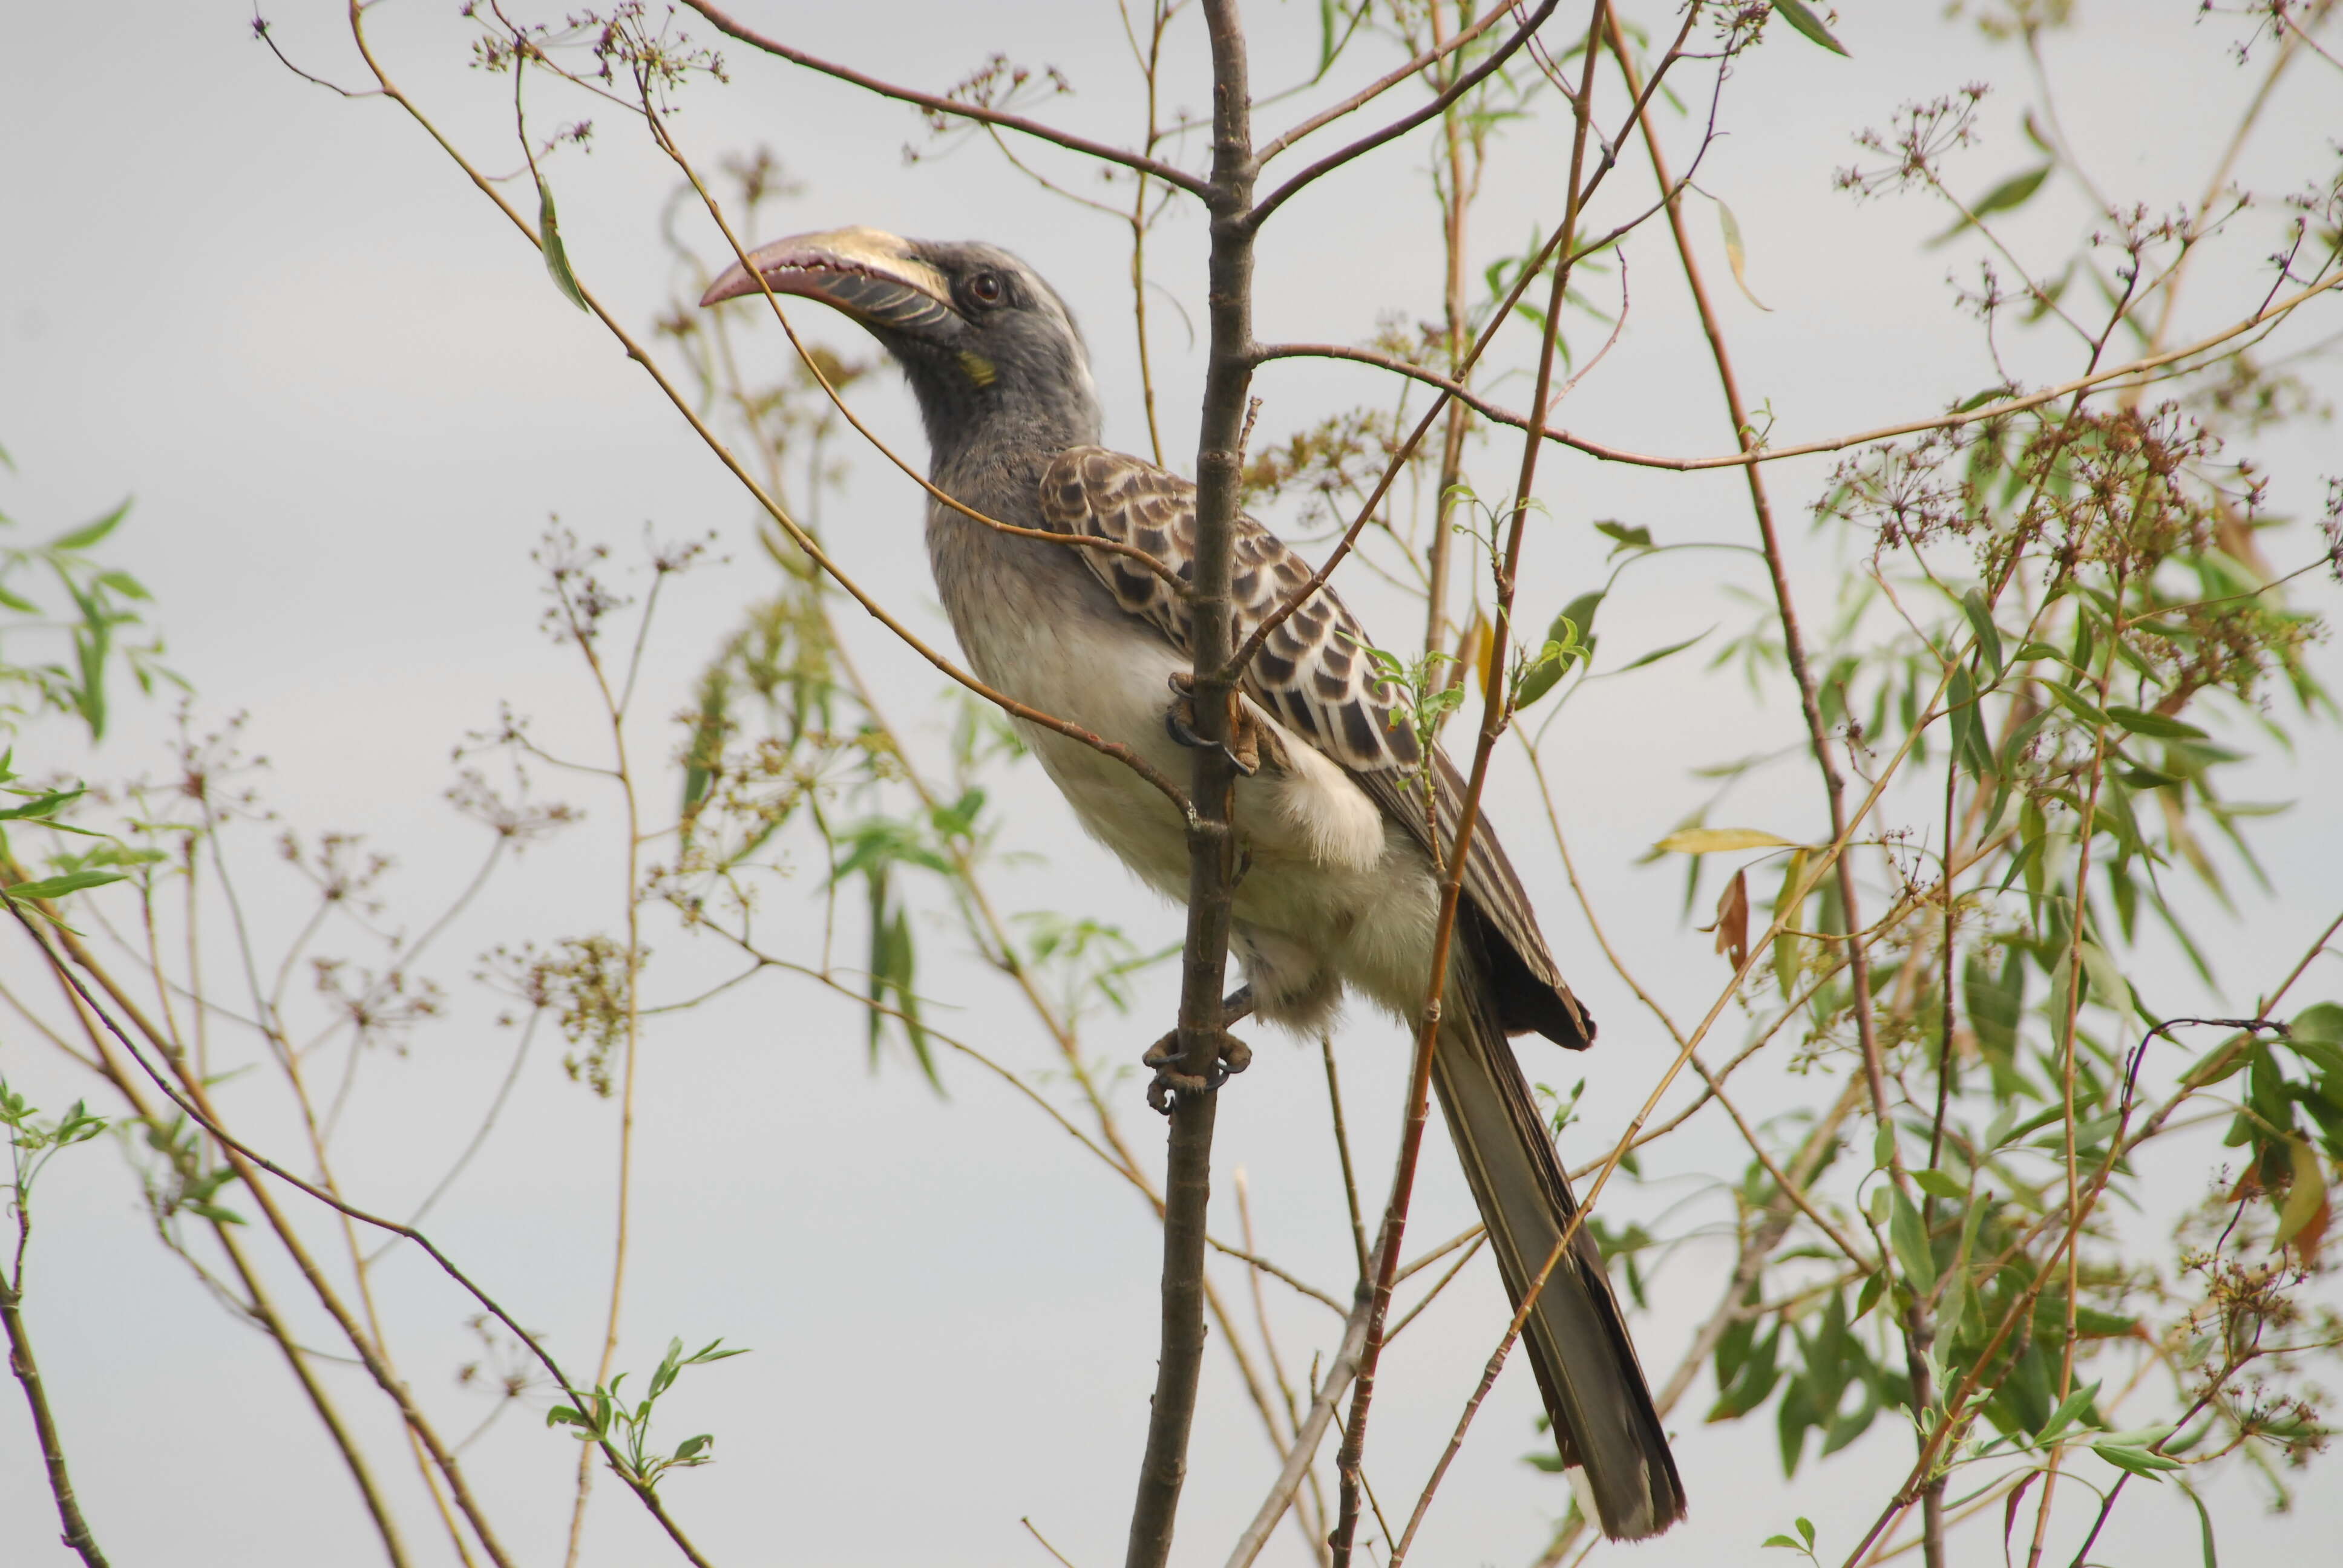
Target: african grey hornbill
x: 1339, y: 890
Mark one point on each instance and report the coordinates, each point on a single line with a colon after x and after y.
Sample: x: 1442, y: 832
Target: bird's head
x: 983, y: 341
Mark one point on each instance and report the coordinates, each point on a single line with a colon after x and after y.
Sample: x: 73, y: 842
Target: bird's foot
x: 1250, y: 746
x: 1170, y: 1081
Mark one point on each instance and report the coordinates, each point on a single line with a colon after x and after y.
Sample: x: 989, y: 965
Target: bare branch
x: 1367, y: 95
x: 1169, y: 173
x: 1998, y: 409
x: 1406, y: 123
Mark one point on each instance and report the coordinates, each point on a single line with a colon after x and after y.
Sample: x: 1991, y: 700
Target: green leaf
x: 2075, y: 702
x: 1937, y: 1184
x: 1578, y: 613
x: 2205, y: 1524
x: 1795, y: 12
x: 2067, y: 1413
x: 2138, y: 1460
x: 2322, y: 1021
x: 1969, y: 743
x: 40, y: 805
x: 1988, y: 636
x: 1718, y: 840
x: 58, y: 887
x: 1570, y: 638
x: 2091, y: 1324
x: 1658, y: 654
x: 1635, y: 539
x: 2010, y: 194
x: 1735, y: 257
x: 2109, y: 988
x: 1751, y: 1382
x: 1976, y: 400
x: 557, y: 258
x: 2143, y: 723
x: 88, y: 534
x: 1909, y: 1236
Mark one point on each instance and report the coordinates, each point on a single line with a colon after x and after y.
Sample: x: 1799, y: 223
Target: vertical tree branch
x: 614, y: 707
x: 1212, y: 882
x: 28, y: 1372
x: 1150, y: 66
x: 1454, y: 318
x: 2079, y: 924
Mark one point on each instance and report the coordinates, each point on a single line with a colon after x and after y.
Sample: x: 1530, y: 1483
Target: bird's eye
x: 985, y: 288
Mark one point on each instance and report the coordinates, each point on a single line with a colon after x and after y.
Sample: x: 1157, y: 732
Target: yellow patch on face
x: 980, y: 369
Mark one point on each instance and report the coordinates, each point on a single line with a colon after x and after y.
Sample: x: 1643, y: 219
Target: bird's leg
x: 1163, y: 1056
x: 1251, y: 745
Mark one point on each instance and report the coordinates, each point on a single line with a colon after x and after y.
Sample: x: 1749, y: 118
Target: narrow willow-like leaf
x: 1736, y: 255
x: 557, y: 258
x: 2144, y: 723
x: 1937, y: 1184
x: 1988, y: 635
x: 1658, y: 654
x: 88, y: 534
x: 58, y: 887
x: 1717, y: 840
x: 2009, y: 195
x: 1787, y: 947
x: 1909, y: 1236
x: 1798, y: 15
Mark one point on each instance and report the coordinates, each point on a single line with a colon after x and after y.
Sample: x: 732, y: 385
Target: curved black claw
x: 1248, y: 749
x: 1170, y: 1082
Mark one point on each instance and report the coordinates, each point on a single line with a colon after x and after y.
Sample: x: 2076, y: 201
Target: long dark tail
x: 1576, y: 1339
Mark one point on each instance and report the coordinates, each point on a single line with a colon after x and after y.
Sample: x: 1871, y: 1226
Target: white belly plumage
x: 1333, y: 892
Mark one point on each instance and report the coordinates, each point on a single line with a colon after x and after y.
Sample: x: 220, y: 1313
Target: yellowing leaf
x: 1478, y: 646
x: 1735, y: 257
x: 1717, y: 840
x: 2303, y: 1220
x: 1786, y: 955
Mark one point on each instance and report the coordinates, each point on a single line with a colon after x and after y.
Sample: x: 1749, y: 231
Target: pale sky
x: 346, y: 397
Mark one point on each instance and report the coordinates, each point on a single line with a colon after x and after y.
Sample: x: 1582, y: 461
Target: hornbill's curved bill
x: 867, y: 273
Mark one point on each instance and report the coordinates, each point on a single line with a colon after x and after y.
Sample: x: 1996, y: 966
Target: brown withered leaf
x: 1732, y: 923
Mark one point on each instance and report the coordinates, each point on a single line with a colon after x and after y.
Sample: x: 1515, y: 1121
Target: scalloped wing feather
x: 1312, y: 672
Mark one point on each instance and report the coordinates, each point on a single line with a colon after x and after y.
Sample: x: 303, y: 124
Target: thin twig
x: 1759, y: 454
x: 190, y: 1096
x: 772, y: 506
x: 1169, y: 174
